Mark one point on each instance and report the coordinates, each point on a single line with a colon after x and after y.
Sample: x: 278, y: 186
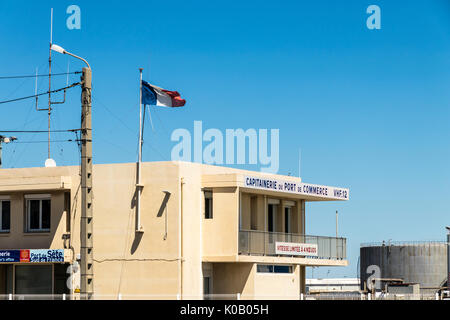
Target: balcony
x: 263, y: 243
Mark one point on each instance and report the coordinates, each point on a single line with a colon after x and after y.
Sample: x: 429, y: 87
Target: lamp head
x: 57, y: 48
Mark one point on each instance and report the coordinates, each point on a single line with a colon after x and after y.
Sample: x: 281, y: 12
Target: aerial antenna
x: 50, y: 102
x: 299, y: 162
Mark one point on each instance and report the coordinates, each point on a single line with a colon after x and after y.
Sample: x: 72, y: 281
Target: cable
x: 41, y: 94
x: 38, y: 131
x: 70, y: 140
x: 39, y: 75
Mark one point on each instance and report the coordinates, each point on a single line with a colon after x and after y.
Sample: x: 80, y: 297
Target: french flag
x: 153, y: 95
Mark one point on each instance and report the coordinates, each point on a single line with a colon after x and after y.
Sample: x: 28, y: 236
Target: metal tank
x: 413, y: 262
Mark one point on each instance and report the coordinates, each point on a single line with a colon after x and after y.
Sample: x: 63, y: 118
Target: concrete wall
x: 220, y: 234
x: 230, y: 279
x: 276, y: 286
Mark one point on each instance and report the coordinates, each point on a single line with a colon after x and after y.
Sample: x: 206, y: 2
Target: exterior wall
x: 220, y: 234
x: 229, y: 279
x: 128, y: 262
x: 19, y: 238
x: 277, y: 286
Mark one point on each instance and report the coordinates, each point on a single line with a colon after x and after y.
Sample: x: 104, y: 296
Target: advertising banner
x: 296, y: 249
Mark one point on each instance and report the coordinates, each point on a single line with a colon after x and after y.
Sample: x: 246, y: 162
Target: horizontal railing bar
x: 291, y: 234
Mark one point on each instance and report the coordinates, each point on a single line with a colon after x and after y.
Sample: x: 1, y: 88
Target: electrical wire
x: 41, y: 94
x: 38, y: 131
x: 46, y: 141
x: 39, y: 75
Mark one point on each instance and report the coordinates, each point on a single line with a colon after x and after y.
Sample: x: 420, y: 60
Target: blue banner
x: 9, y: 255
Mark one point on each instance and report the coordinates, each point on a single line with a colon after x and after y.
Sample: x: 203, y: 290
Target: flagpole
x: 139, y: 186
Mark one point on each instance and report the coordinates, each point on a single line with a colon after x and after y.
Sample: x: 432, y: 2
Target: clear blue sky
x: 368, y: 108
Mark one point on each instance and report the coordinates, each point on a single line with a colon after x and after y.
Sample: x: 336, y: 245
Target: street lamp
x: 87, y: 217
x: 4, y: 139
x: 59, y: 49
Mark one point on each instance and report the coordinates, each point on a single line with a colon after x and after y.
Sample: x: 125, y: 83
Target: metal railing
x: 253, y: 242
x: 402, y: 243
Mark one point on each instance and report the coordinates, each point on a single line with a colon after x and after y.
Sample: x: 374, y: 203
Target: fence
x: 231, y: 297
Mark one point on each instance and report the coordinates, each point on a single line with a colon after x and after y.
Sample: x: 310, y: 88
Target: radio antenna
x: 50, y: 102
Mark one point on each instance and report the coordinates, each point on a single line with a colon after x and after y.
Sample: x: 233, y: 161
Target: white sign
x: 296, y: 249
x: 297, y: 188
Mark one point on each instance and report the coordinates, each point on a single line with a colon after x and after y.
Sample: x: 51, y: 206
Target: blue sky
x: 368, y: 108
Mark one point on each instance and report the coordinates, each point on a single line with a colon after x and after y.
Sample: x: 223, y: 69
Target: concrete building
x: 207, y: 230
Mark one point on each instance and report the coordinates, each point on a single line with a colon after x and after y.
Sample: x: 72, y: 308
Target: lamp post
x: 4, y: 139
x: 86, y: 228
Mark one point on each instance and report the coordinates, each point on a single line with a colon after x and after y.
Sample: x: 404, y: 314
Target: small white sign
x: 296, y: 249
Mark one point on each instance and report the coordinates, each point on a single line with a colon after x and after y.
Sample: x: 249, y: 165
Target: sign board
x: 9, y: 255
x: 32, y: 255
x: 296, y: 188
x: 296, y: 249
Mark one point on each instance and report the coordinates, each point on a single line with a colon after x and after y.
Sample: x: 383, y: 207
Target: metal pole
x: 87, y: 247
x: 50, y: 80
x: 337, y: 234
x: 1, y: 147
x: 336, y: 224
x: 138, y: 175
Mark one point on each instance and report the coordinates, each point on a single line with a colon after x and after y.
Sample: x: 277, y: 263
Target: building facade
x: 207, y: 232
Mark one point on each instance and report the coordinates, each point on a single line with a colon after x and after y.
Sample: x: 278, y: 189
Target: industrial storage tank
x: 424, y: 263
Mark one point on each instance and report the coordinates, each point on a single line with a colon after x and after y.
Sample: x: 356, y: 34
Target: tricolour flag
x: 153, y: 95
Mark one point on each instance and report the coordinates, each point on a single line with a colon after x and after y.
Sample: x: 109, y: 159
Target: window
x: 271, y: 216
x: 5, y: 215
x: 208, y: 205
x: 287, y: 219
x: 38, y: 214
x: 253, y: 213
x: 33, y: 279
x: 206, y: 287
x: 266, y: 268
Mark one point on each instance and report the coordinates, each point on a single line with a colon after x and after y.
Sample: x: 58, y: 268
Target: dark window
x: 266, y: 268
x: 270, y: 217
x: 33, y: 279
x: 208, y: 205
x: 39, y: 214
x: 282, y: 269
x: 45, y: 214
x: 34, y: 214
x: 5, y: 218
x: 287, y: 220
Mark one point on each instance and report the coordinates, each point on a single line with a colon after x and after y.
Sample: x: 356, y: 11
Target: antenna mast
x: 50, y: 79
x: 50, y: 102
